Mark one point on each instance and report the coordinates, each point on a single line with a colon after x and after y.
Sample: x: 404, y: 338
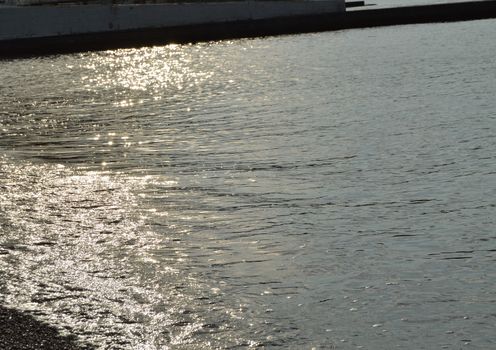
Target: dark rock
x: 21, y: 331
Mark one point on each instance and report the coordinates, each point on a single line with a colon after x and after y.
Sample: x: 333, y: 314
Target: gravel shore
x: 21, y: 331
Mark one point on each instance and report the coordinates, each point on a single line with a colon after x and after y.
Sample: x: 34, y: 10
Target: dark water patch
x: 44, y: 243
x: 14, y: 247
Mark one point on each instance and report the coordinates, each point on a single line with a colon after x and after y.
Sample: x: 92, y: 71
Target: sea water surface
x: 330, y: 190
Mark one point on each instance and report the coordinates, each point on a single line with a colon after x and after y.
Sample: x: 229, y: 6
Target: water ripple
x: 331, y: 190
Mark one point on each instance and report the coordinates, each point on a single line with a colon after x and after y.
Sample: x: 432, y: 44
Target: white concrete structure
x: 20, y: 22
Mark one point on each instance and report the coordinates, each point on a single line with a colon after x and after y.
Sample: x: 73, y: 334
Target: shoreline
x: 361, y: 18
x: 21, y: 331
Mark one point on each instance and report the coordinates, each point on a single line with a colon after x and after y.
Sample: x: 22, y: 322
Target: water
x: 330, y: 190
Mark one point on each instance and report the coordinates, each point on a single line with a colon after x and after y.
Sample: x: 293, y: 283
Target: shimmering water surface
x: 331, y: 190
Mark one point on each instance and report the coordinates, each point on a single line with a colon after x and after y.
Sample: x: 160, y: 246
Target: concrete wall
x: 46, y: 21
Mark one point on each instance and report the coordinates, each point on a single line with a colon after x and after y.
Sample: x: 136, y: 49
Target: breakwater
x: 66, y: 27
x: 293, y: 22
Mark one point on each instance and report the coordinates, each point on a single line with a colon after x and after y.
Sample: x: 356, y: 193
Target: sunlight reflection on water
x: 332, y: 189
x: 154, y: 70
